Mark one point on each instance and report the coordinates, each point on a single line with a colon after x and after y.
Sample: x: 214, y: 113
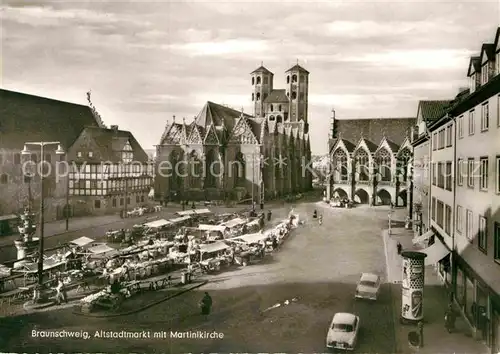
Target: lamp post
x: 26, y: 151
x: 390, y: 221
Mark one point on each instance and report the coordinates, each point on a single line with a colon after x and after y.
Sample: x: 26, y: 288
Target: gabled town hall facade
x: 227, y: 154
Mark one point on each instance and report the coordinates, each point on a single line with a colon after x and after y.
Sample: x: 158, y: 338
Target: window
x: 449, y: 136
x: 279, y: 108
x: 294, y: 95
x: 294, y: 78
x: 497, y: 242
x: 482, y: 234
x: 137, y: 199
x: 460, y: 172
x: 434, y: 141
x: 288, y: 79
x: 448, y: 173
x: 258, y: 80
x: 461, y: 127
x: 483, y: 170
x: 433, y: 209
x: 434, y: 175
x: 484, y: 74
x: 97, y: 204
x: 17, y: 159
x: 4, y: 179
x: 121, y: 201
x: 440, y: 175
x: 498, y: 175
x: 470, y: 172
x: 91, y: 154
x: 472, y: 123
x: 253, y: 97
x: 447, y: 220
x: 266, y: 80
x: 79, y: 154
x: 441, y: 138
x: 439, y: 213
x: 114, y: 202
x: 272, y: 108
x: 460, y: 221
x: 469, y: 226
x: 253, y: 80
x: 485, y: 117
x: 127, y: 153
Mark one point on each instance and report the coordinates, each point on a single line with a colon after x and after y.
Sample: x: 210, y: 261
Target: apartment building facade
x: 476, y: 261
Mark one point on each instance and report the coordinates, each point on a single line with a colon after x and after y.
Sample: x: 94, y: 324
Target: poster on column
x: 413, y: 285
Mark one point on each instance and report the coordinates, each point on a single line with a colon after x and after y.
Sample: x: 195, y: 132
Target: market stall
x: 214, y: 255
x: 181, y: 221
x: 213, y: 232
x: 101, y: 251
x: 235, y: 226
x: 51, y: 265
x: 254, y: 225
x: 82, y: 242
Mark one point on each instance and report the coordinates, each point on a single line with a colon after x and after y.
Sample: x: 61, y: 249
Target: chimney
x: 114, y: 128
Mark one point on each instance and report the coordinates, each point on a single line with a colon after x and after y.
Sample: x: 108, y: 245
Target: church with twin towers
x: 228, y: 154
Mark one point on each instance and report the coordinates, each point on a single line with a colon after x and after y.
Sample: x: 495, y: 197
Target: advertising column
x: 413, y: 286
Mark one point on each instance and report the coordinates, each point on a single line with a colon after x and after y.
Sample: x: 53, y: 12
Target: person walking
x: 61, y: 294
x: 399, y: 247
x: 449, y: 319
x: 206, y: 304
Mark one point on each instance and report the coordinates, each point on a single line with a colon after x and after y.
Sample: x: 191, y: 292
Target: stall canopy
x: 435, y: 253
x: 234, y: 222
x: 186, y: 212
x: 205, y: 227
x: 157, y: 223
x: 82, y: 241
x: 48, y: 263
x: 424, y: 237
x: 181, y: 219
x: 202, y: 211
x: 253, y: 238
x: 213, y: 247
x: 253, y: 222
x: 102, y: 249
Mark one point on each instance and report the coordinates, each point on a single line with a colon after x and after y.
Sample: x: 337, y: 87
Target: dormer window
x: 127, y: 153
x: 484, y: 74
x: 472, y: 83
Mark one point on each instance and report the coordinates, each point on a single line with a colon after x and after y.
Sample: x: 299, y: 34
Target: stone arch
x: 402, y: 197
x: 383, y: 197
x: 340, y: 193
x: 340, y: 165
x: 212, y: 169
x: 383, y: 159
x: 362, y: 164
x: 361, y: 196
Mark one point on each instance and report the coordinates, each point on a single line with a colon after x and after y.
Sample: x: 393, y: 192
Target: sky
x: 145, y: 62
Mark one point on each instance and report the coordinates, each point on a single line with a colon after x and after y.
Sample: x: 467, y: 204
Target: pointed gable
x: 242, y: 133
x: 406, y: 146
x: 344, y: 145
x: 366, y: 145
x: 487, y: 53
x: 474, y: 66
x: 211, y: 137
x: 173, y: 135
x: 390, y: 146
x: 195, y: 134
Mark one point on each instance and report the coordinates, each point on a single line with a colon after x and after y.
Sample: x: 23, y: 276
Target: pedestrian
x: 61, y: 294
x: 399, y: 247
x: 206, y: 304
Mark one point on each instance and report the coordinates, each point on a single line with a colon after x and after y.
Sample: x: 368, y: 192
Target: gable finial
x: 183, y: 120
x: 174, y: 118
x: 261, y: 63
x: 297, y: 61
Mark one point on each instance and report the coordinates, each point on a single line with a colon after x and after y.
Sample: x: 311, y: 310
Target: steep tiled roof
x: 432, y: 110
x: 110, y: 144
x: 261, y: 69
x: 394, y: 129
x: 277, y: 96
x: 32, y: 118
x: 393, y: 146
x: 216, y: 113
x: 370, y: 145
x: 299, y: 68
x: 172, y: 134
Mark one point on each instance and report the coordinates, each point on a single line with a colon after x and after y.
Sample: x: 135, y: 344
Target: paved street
x: 318, y: 265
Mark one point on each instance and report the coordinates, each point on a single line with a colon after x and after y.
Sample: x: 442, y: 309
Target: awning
x: 206, y: 227
x: 82, y: 241
x: 181, y: 219
x: 424, y: 237
x: 234, y: 222
x: 157, y: 223
x: 213, y: 247
x: 253, y: 238
x: 101, y: 249
x: 253, y: 222
x: 435, y: 253
x: 8, y: 217
x: 202, y: 211
x: 186, y: 212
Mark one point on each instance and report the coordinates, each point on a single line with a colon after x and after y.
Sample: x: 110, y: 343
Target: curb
x: 144, y: 307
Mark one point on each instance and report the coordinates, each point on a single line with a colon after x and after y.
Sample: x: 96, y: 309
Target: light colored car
x: 368, y: 286
x: 343, y: 331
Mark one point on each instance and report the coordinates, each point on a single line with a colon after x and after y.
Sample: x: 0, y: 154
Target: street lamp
x: 390, y: 221
x: 26, y: 151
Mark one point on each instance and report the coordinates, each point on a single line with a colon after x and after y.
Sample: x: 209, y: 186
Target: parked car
x: 368, y: 286
x: 343, y: 331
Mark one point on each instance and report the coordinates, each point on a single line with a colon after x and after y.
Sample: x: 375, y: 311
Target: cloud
x: 232, y: 46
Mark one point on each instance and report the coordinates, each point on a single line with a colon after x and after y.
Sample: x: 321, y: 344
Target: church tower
x: 297, y: 91
x: 262, y: 82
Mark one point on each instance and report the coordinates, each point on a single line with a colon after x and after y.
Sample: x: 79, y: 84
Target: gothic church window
x: 362, y: 165
x: 384, y: 165
x: 239, y: 167
x: 258, y: 80
x: 294, y: 78
x: 258, y: 96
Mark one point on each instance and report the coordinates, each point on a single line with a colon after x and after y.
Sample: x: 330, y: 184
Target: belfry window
x: 294, y: 95
x: 253, y: 81
x: 258, y: 80
x: 257, y: 96
x: 253, y: 97
x: 288, y: 79
x: 294, y: 78
x: 272, y: 108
